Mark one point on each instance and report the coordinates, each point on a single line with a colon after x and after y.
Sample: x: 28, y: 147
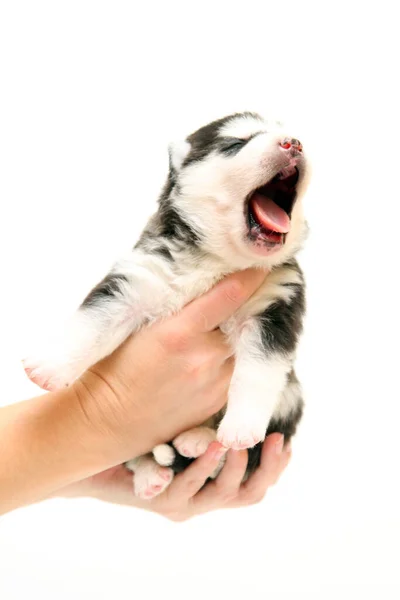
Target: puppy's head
x: 237, y: 183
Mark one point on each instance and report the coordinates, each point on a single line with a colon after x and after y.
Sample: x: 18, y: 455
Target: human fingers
x: 274, y: 459
x: 226, y: 486
x: 222, y: 301
x: 191, y: 480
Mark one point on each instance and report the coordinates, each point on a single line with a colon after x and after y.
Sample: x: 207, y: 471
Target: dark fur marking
x: 164, y: 252
x: 206, y: 139
x: 108, y: 288
x: 168, y: 222
x: 231, y: 146
x: 173, y: 226
x: 168, y: 186
x: 281, y: 323
x: 180, y: 462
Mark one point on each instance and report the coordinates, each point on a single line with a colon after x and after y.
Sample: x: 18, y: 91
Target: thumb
x: 221, y: 302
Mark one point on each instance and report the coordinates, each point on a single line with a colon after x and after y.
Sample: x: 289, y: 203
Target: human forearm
x: 49, y: 442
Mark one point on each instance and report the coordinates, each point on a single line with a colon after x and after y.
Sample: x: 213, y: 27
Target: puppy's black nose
x: 291, y: 144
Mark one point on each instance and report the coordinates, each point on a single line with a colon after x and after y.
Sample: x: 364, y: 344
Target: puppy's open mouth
x: 269, y: 208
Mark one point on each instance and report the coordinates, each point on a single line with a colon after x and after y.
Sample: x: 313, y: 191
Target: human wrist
x: 119, y: 431
x: 45, y: 444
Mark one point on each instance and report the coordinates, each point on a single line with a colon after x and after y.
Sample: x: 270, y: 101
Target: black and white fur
x: 200, y: 233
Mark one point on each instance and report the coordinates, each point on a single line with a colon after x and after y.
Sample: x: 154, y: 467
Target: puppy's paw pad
x: 150, y: 480
x: 239, y: 436
x: 194, y: 443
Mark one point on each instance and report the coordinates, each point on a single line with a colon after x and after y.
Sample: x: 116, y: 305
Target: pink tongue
x: 269, y: 214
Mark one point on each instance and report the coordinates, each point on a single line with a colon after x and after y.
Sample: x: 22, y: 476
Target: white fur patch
x: 164, y: 455
x: 150, y: 479
x: 255, y: 390
x: 64, y: 355
x: 178, y: 151
x: 288, y: 401
x: 243, y: 127
x: 194, y: 442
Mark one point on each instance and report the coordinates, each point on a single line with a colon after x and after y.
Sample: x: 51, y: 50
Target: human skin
x: 186, y: 498
x: 167, y: 378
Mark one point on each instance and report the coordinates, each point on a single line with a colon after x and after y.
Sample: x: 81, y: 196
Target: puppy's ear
x: 178, y: 151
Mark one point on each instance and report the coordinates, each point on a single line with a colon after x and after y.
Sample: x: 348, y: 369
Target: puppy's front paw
x: 164, y: 455
x: 150, y: 479
x: 49, y: 374
x: 194, y: 442
x: 64, y: 354
x: 241, y: 431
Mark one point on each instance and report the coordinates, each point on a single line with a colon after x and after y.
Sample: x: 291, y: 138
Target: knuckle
x: 229, y: 366
x: 211, y: 363
x: 254, y: 498
x: 219, y: 352
x: 194, y: 367
x: 235, y: 292
x: 201, y: 364
x: 219, y: 394
x: 219, y: 400
x: 227, y: 496
x: 192, y: 486
x: 202, y: 321
x: 175, y: 340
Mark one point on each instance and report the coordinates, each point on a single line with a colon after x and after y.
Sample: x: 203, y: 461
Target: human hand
x: 168, y: 377
x: 186, y: 497
x: 164, y: 380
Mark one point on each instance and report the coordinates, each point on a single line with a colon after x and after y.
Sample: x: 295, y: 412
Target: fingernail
x: 218, y: 451
x: 288, y: 448
x: 279, y: 445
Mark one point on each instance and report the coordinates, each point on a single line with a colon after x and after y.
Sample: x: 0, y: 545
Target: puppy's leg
x: 285, y: 419
x: 257, y: 382
x: 115, y: 308
x: 264, y: 351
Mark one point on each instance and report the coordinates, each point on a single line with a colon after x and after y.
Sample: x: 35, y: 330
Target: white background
x: 91, y: 93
